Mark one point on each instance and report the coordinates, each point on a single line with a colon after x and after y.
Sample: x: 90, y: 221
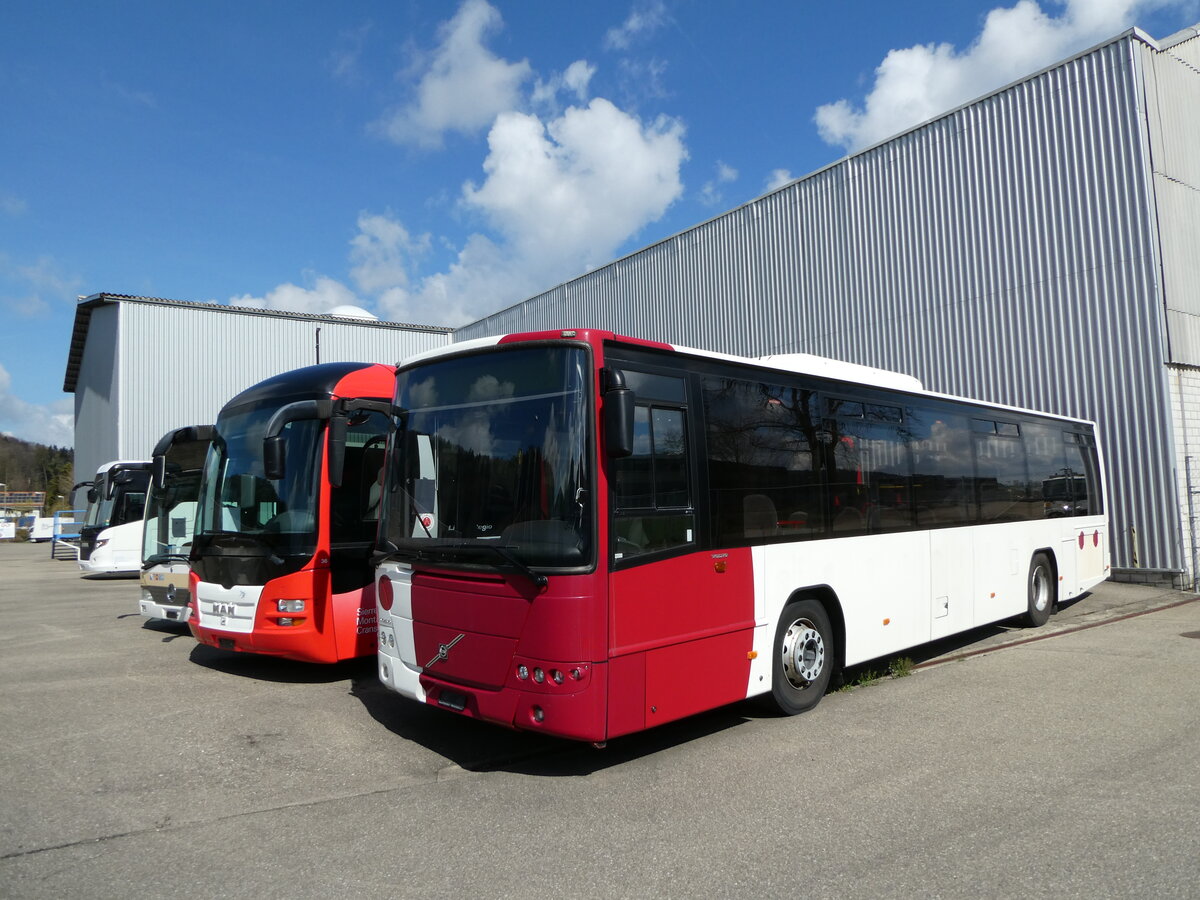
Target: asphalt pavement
x: 1059, y: 761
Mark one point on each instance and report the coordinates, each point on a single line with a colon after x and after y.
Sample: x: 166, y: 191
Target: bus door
x: 680, y: 620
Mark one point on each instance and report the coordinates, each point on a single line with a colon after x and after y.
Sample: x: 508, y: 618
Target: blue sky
x: 432, y: 162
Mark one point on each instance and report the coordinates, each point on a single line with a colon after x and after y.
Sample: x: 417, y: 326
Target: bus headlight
x: 292, y: 606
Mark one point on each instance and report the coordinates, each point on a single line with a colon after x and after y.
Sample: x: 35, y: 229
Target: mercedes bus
x: 170, y: 521
x: 587, y: 535
x: 288, y: 508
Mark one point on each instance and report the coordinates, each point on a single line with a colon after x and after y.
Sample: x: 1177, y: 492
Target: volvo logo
x: 444, y: 651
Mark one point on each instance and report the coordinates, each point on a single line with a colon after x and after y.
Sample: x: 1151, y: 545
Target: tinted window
x: 652, y: 505
x: 869, y: 477
x: 1002, y: 480
x: 764, y: 476
x: 943, y: 468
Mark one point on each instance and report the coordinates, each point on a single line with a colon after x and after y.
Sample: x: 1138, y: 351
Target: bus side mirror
x: 158, y: 472
x: 337, y: 449
x: 92, y: 495
x: 274, y: 457
x: 618, y: 415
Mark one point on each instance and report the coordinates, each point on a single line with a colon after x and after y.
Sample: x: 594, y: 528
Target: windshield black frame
x: 508, y: 500
x: 280, y: 517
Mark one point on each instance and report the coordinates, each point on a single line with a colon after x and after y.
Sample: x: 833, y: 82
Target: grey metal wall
x: 97, y: 400
x: 1007, y: 250
x: 1173, y: 98
x: 174, y: 364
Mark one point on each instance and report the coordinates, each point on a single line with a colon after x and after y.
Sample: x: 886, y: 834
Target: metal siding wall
x: 1005, y: 251
x: 1175, y: 135
x: 97, y: 400
x: 178, y: 365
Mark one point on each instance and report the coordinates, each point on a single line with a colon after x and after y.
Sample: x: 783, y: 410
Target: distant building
x: 141, y: 366
x: 1039, y: 247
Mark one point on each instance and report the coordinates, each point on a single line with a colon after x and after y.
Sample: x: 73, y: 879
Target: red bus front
x: 281, y: 556
x: 505, y: 593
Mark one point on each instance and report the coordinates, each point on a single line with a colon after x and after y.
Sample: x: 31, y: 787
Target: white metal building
x: 141, y: 366
x: 1039, y: 246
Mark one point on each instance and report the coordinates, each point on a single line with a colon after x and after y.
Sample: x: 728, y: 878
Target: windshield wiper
x: 164, y: 558
x: 430, y: 548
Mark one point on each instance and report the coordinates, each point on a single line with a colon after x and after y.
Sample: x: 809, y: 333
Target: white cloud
x: 30, y: 290
x: 53, y: 424
x: 324, y: 295
x: 344, y: 60
x: 465, y: 85
x: 643, y: 20
x: 383, y: 252
x: 710, y: 193
x: 917, y: 83
x: 777, y: 179
x: 13, y: 206
x: 574, y: 80
x: 561, y: 197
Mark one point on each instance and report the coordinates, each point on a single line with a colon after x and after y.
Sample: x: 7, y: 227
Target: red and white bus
x: 288, y: 508
x: 588, y: 535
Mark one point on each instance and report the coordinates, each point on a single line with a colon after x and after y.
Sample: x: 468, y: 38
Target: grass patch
x: 865, y: 676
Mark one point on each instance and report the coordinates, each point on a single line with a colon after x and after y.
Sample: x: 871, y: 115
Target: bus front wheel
x: 804, y: 657
x: 1042, y: 590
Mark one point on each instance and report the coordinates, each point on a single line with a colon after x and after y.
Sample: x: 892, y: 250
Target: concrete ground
x: 134, y: 762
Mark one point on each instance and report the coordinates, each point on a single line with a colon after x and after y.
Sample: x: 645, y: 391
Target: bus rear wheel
x: 804, y: 657
x: 1042, y: 590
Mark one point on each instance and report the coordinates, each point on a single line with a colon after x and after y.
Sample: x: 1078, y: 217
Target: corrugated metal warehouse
x: 1037, y: 247
x: 139, y: 366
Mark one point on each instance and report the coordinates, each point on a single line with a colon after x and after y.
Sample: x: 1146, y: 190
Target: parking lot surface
x: 134, y: 762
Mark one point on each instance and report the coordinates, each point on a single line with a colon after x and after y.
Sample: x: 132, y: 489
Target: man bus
x: 281, y: 557
x: 588, y: 535
x: 170, y: 522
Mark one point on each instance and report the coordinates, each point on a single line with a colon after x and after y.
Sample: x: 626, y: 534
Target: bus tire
x: 1042, y: 590
x: 803, y: 657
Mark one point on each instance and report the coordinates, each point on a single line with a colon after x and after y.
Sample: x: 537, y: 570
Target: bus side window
x: 652, y: 508
x: 1084, y: 471
x: 764, y: 476
x: 943, y: 469
x: 870, y: 477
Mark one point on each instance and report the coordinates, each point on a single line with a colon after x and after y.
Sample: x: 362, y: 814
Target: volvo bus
x: 110, y: 540
x: 588, y: 535
x: 170, y: 521
x: 288, y: 508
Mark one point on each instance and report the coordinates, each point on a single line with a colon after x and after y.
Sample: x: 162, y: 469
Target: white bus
x: 110, y: 542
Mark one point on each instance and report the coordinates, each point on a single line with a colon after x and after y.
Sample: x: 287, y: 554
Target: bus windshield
x: 490, y: 460
x: 170, y: 520
x: 236, y: 497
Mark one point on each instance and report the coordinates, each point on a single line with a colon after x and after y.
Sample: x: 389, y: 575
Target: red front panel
x: 474, y: 634
x: 310, y: 637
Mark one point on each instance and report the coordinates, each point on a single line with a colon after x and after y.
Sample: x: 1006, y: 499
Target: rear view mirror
x: 618, y: 414
x: 274, y: 457
x: 338, y: 425
x: 158, y: 472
